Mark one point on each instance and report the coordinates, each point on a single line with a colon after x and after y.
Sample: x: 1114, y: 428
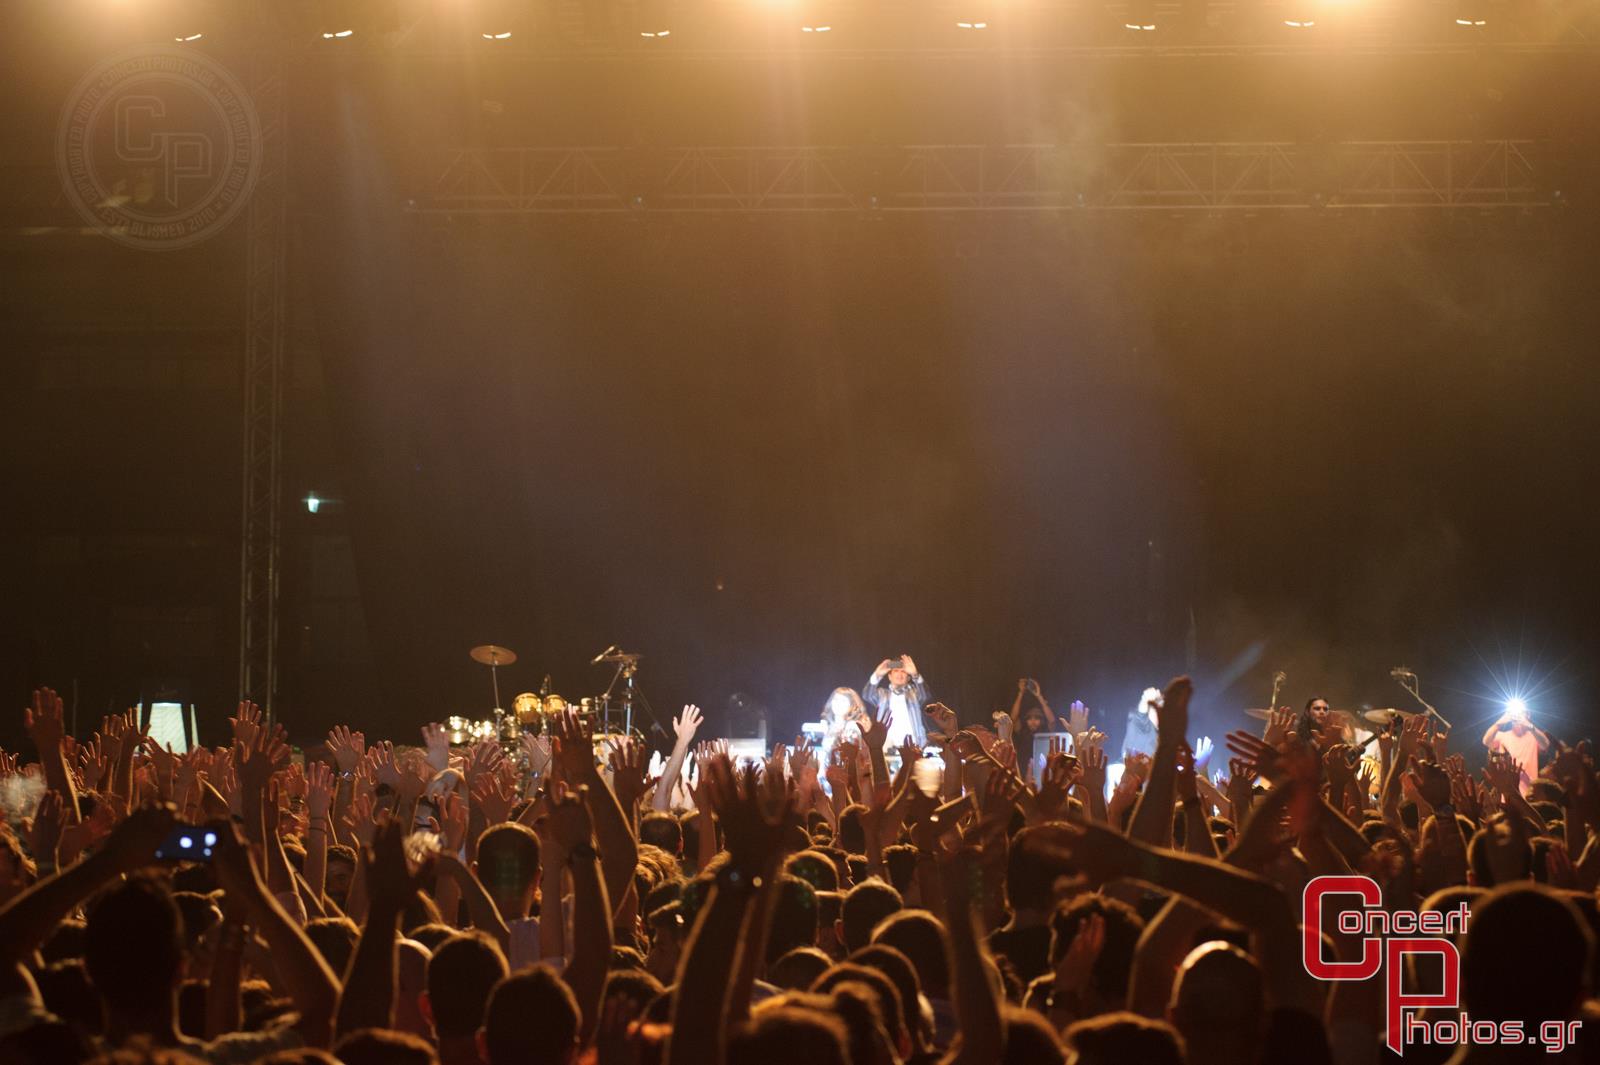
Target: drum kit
x: 610, y: 718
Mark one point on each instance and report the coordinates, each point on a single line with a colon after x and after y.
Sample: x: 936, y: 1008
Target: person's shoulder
x: 237, y: 1048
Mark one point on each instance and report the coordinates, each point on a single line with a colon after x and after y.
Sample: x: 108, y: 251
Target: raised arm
x: 619, y: 851
x: 684, y: 726
x: 44, y: 724
x: 757, y: 824
x: 29, y: 917
x: 585, y: 974
x: 367, y: 1000
x: 310, y: 983
x: 1152, y: 818
x: 976, y: 1003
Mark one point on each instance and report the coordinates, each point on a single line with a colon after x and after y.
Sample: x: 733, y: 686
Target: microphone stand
x: 1409, y: 683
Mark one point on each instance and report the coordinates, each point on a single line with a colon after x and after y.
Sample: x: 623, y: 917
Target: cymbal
x: 1382, y: 716
x: 490, y: 655
x: 620, y: 656
x: 1259, y: 713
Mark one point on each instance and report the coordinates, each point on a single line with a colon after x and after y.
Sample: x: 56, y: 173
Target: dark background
x: 767, y: 453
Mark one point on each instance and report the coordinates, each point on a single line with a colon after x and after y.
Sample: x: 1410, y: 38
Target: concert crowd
x: 907, y: 891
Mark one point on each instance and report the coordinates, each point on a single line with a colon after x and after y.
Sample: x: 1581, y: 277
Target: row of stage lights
x: 501, y: 21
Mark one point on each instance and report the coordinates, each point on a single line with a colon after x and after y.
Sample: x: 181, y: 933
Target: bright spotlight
x: 1145, y: 27
x: 506, y: 36
x: 1303, y: 24
x: 815, y: 29
x: 655, y: 33
x: 191, y: 37
x: 1517, y: 707
x: 338, y: 35
x: 313, y: 504
x: 972, y: 25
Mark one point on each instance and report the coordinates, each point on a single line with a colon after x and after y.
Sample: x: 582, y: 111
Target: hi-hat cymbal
x: 1383, y: 716
x: 490, y: 655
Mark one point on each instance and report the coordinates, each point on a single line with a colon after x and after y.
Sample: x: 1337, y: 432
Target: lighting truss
x: 1233, y: 176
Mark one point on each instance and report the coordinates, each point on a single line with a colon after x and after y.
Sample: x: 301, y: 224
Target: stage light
x: 815, y: 29
x: 1517, y: 707
x: 1140, y: 16
x: 655, y: 34
x: 972, y: 25
x: 1470, y: 13
x: 313, y: 504
x: 506, y: 36
x: 191, y: 37
x: 1300, y: 24
x: 337, y: 35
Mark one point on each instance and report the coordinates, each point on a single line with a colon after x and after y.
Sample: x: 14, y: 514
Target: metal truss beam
x: 1230, y: 176
x: 263, y: 385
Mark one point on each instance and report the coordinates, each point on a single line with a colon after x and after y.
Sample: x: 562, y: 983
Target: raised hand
x: 384, y: 769
x: 879, y: 727
x: 1077, y: 717
x: 453, y: 817
x: 1061, y: 772
x: 247, y: 725
x: 162, y: 760
x: 493, y: 798
x: 346, y: 747
x: 361, y: 821
x: 756, y: 826
x: 686, y: 724
x: 43, y: 720
x: 943, y: 718
x: 437, y: 743
x: 909, y: 666
x: 1279, y: 724
x: 1413, y: 735
x: 483, y: 758
x: 94, y: 765
x: 627, y: 760
x: 1260, y: 758
x: 1000, y: 793
x: 1502, y: 773
x: 265, y: 756
x: 319, y: 791
x: 1092, y: 760
x: 1431, y: 782
x: 536, y: 749
x: 1202, y: 754
x: 575, y: 754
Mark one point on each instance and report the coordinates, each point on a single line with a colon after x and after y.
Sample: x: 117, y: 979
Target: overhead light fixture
x: 815, y: 29
x: 505, y: 36
x: 1141, y: 26
x: 1301, y: 24
x: 972, y: 25
x: 337, y: 35
x: 1471, y: 14
x: 655, y: 33
x: 190, y: 37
